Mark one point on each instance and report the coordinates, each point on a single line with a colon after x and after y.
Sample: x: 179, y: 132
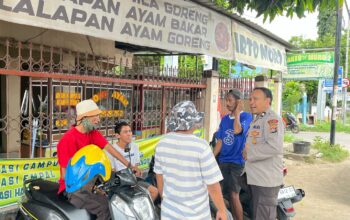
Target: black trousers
x: 96, y: 204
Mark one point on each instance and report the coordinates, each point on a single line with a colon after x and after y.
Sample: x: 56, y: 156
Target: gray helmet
x: 184, y: 116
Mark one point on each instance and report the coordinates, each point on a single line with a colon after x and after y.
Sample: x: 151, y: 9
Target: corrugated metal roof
x: 211, y: 5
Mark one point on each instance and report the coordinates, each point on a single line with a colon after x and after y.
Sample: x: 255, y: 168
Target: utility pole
x: 345, y: 73
x: 339, y: 8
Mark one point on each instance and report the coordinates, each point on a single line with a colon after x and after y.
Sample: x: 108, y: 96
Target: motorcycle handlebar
x: 120, y: 178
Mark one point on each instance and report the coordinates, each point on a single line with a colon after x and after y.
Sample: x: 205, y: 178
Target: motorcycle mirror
x: 127, y: 148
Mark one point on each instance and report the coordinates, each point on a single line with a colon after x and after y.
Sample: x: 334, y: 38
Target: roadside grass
x: 335, y: 153
x: 325, y: 127
x: 290, y: 138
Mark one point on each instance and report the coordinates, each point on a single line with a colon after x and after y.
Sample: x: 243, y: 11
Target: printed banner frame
x: 14, y: 171
x: 252, y: 48
x: 163, y: 24
x: 310, y: 66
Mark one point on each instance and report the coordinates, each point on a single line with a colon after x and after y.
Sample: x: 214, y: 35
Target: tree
x: 291, y: 96
x: 327, y: 41
x: 300, y: 42
x: 326, y: 22
x: 249, y: 74
x: 188, y: 66
x: 271, y: 8
x: 224, y: 68
x: 311, y: 90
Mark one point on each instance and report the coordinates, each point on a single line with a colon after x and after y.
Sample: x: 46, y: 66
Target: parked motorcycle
x: 127, y: 200
x: 287, y: 196
x: 291, y: 123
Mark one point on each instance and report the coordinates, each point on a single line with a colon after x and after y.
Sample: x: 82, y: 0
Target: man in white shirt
x: 130, y: 151
x: 186, y: 169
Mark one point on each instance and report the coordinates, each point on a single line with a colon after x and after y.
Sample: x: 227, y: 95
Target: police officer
x: 263, y: 152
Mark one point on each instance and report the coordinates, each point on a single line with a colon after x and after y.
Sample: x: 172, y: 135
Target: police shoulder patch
x: 273, y: 124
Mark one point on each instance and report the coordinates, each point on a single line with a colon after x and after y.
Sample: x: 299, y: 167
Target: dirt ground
x: 327, y: 189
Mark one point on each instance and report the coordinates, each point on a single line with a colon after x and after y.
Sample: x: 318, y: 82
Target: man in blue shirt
x: 231, y: 140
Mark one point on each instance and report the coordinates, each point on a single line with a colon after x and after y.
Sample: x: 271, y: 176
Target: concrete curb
x: 288, y: 153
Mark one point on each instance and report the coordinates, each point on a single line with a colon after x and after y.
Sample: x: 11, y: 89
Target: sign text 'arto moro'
x: 251, y: 47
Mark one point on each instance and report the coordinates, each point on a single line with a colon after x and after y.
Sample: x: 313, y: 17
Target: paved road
x: 340, y: 137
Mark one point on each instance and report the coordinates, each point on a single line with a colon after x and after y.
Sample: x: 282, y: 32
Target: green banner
x: 14, y: 171
x: 147, y: 147
x: 310, y: 66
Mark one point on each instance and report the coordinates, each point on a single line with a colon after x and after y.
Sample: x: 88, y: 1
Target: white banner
x: 251, y: 47
x: 173, y: 25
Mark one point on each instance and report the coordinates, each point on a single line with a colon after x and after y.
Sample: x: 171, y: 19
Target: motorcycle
x: 291, y: 123
x: 127, y: 200
x: 287, y: 196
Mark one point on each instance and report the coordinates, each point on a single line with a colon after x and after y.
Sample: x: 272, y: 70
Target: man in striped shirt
x: 186, y: 169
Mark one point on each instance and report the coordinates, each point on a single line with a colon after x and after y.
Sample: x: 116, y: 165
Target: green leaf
x: 290, y: 12
x: 272, y: 16
x: 310, y: 5
x: 270, y: 8
x: 300, y: 9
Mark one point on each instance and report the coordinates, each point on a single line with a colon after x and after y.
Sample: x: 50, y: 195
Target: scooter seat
x: 46, y: 192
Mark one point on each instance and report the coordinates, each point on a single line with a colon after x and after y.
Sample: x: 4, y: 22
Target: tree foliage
x: 249, y: 74
x: 311, y: 90
x: 224, y: 68
x: 326, y: 41
x: 188, y: 66
x: 291, y: 95
x: 326, y: 24
x: 269, y: 8
x: 302, y: 43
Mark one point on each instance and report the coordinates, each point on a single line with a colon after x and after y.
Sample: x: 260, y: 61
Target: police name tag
x: 286, y: 193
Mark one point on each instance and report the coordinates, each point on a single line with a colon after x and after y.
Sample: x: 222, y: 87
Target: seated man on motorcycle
x: 78, y: 136
x: 130, y: 151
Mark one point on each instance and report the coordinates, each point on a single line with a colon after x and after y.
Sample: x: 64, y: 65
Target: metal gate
x: 48, y: 82
x: 245, y: 85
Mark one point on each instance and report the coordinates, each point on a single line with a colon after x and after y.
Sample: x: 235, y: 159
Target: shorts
x: 232, y: 177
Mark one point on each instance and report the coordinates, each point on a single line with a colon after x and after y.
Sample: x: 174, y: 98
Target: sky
x: 286, y: 27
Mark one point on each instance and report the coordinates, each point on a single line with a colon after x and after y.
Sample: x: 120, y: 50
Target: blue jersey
x: 232, y: 145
